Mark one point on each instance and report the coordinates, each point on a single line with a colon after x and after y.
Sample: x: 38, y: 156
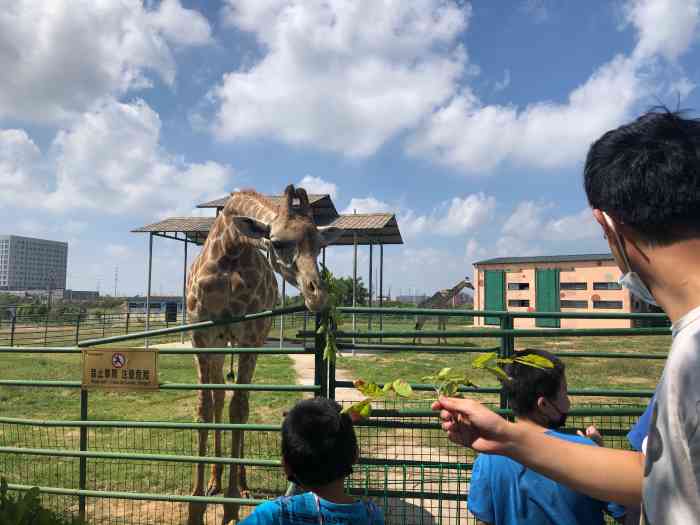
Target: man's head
x: 319, y: 445
x: 538, y: 394
x: 643, y: 183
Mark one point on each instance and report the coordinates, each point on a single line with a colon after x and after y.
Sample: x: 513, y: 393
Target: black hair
x: 318, y: 442
x: 527, y: 383
x: 646, y: 174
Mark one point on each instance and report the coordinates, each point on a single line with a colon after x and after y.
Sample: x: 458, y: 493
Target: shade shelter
x: 361, y: 229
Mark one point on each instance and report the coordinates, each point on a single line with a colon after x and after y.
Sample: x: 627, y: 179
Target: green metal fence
x: 124, y: 471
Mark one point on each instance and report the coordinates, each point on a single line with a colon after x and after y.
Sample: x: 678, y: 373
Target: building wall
x: 588, y: 272
x: 32, y: 264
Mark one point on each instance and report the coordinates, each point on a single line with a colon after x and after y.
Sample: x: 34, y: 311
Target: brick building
x: 566, y: 283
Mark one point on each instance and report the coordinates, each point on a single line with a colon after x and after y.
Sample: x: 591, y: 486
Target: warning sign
x: 120, y: 369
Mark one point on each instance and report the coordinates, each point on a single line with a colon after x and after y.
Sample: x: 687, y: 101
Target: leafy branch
x: 329, y: 316
x: 446, y: 382
x: 373, y: 392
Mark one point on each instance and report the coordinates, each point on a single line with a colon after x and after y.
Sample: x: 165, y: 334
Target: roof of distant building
x: 548, y: 259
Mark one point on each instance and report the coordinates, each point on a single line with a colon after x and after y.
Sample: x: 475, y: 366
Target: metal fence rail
x: 140, y: 471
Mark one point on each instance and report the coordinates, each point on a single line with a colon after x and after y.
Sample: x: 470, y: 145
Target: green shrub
x: 26, y: 509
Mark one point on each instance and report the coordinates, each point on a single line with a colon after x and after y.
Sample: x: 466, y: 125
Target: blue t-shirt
x: 305, y: 509
x: 640, y: 430
x: 504, y: 492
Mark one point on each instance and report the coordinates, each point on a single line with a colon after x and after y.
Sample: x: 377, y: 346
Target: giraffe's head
x: 294, y: 243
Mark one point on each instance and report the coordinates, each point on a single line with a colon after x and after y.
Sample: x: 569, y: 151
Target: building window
x: 519, y: 303
x: 573, y: 286
x: 574, y: 304
x: 518, y: 286
x: 607, y: 286
x: 610, y: 305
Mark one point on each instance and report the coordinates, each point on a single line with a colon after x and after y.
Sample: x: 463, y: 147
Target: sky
x: 468, y: 120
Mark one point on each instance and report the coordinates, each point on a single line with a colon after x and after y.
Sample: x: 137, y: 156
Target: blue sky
x: 470, y: 121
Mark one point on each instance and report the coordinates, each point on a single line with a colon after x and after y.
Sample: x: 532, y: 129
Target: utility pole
x: 116, y: 279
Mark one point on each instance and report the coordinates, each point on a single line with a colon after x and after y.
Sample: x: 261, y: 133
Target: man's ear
x: 329, y: 234
x: 252, y: 228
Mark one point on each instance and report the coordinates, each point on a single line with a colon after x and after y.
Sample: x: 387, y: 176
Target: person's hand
x: 473, y: 425
x: 592, y: 434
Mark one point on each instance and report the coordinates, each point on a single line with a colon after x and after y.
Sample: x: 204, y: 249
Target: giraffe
x: 441, y: 299
x: 232, y: 276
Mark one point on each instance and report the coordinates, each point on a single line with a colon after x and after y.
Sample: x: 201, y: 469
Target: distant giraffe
x: 440, y: 299
x: 231, y: 277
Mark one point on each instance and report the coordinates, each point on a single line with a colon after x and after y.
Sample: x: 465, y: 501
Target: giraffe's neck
x: 251, y: 204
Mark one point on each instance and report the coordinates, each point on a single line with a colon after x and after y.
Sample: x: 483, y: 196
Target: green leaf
x: 498, y: 372
x: 362, y: 408
x: 369, y: 389
x: 442, y: 374
x: 483, y: 360
x: 402, y: 388
x: 321, y: 329
x: 534, y: 360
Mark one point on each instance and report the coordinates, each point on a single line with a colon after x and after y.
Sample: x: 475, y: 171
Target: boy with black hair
x: 505, y: 492
x: 319, y: 448
x: 643, y: 184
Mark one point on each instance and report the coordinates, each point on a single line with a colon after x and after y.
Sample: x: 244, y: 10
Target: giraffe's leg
x: 219, y: 396
x: 204, y: 415
x: 238, y: 413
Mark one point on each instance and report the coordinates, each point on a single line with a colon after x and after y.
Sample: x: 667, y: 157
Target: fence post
x: 127, y: 322
x: 46, y: 327
x: 320, y: 370
x: 83, y: 448
x: 77, y: 328
x: 506, y: 350
x: 103, y: 323
x: 12, y: 329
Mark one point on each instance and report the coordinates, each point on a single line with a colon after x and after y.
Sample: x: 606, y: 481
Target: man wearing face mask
x: 505, y: 492
x: 643, y: 184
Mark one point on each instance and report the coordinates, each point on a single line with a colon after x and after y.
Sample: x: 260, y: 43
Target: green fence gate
x: 119, y: 470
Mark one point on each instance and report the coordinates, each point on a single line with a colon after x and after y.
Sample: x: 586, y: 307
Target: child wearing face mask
x: 504, y: 492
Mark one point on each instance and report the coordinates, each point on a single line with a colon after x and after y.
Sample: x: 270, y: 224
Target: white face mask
x: 631, y: 280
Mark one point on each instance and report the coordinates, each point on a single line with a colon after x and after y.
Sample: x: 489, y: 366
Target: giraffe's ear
x: 252, y: 228
x: 329, y: 234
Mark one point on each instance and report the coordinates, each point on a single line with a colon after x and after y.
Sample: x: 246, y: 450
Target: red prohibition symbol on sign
x: 118, y: 360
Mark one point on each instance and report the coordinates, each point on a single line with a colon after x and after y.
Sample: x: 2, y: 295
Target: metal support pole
x: 354, y: 286
x: 13, y: 328
x: 77, y: 329
x: 381, y: 287
x: 323, y: 257
x: 507, y: 349
x: 148, y: 285
x: 184, y: 293
x: 284, y: 302
x: 320, y: 370
x: 83, y: 448
x: 46, y: 327
x: 371, y: 291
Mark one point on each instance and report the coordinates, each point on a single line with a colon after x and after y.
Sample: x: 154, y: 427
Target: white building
x: 32, y: 264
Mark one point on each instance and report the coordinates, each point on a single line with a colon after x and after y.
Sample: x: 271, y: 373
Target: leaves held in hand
x: 448, y: 383
x: 373, y: 392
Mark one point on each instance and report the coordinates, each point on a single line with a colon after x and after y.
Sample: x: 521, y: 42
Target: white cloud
x: 474, y: 137
x: 319, y: 186
x: 181, y: 26
x: 118, y: 250
x: 465, y: 214
x: 681, y: 88
x: 453, y: 217
x: 665, y: 27
x: 502, y: 84
x: 19, y: 161
x: 109, y: 161
x: 59, y: 57
x: 367, y: 205
x: 528, y: 221
x: 338, y: 75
